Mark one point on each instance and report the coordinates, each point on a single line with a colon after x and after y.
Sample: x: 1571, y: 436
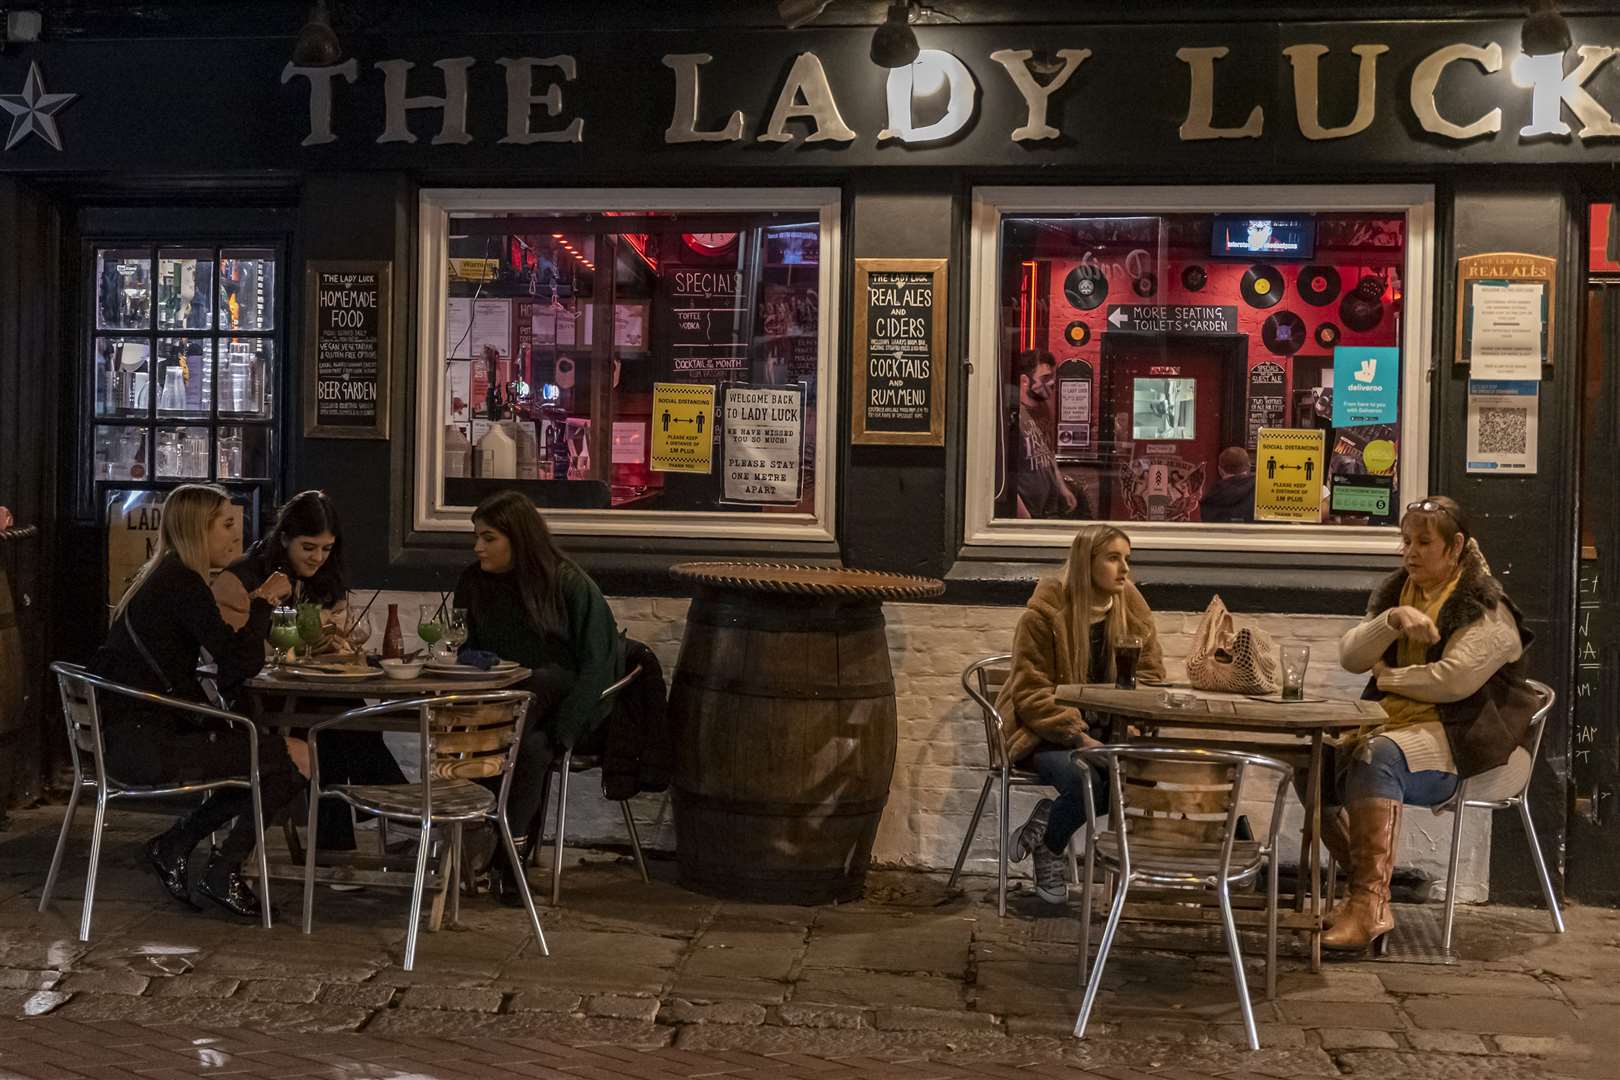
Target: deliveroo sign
x: 1365, y: 383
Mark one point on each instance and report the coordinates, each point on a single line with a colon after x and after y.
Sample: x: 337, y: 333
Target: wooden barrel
x: 784, y: 720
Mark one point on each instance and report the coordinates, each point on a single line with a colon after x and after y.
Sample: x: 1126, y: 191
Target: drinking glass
x: 359, y: 632
x: 284, y: 632
x: 1293, y: 659
x: 310, y: 630
x: 455, y: 631
x: 1126, y: 654
x: 428, y: 628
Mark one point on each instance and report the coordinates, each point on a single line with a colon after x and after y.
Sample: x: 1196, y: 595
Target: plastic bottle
x: 528, y: 449
x: 499, y: 453
x: 456, y: 450
x: 393, y: 638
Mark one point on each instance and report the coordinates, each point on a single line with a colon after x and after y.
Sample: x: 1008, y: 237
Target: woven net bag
x: 1231, y: 660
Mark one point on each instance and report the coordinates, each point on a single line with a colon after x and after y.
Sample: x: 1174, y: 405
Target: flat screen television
x: 1263, y: 236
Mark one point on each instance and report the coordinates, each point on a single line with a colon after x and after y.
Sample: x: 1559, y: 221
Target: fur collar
x: 1477, y: 593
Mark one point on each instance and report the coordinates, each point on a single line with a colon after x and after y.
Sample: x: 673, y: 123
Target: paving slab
x: 1493, y: 1015
x: 232, y: 1012
x: 896, y: 943
x: 872, y: 990
x: 1398, y: 1065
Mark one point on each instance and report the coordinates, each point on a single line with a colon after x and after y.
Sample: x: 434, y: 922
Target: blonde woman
x: 1068, y: 634
x: 159, y: 630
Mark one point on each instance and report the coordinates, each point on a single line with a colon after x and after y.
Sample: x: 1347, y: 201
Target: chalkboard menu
x: 707, y: 318
x: 1267, y: 402
x: 347, y: 349
x: 899, y: 354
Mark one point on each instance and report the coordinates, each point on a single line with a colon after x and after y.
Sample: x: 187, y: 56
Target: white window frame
x: 1418, y: 277
x: 432, y: 514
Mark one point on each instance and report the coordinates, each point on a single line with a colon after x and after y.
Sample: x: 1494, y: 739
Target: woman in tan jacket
x: 1068, y: 635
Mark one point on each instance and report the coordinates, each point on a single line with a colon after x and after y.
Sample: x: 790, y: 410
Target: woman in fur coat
x: 1067, y: 635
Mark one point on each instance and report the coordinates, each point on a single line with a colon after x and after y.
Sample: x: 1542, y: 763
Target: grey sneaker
x: 1027, y: 837
x: 1051, y: 875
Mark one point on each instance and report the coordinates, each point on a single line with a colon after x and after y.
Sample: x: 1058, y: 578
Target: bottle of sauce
x: 393, y: 639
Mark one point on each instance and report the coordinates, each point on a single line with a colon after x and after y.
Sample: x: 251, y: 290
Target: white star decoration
x: 33, y: 110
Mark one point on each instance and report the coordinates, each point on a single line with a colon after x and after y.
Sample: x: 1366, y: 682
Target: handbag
x: 1231, y: 660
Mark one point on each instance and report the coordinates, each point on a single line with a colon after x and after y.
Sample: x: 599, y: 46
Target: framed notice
x: 348, y: 349
x: 899, y: 356
x: 1505, y: 310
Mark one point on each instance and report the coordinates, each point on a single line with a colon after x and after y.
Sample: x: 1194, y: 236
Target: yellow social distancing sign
x: 1288, y: 474
x: 683, y: 427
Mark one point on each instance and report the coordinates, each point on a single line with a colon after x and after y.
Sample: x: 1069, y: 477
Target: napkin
x: 477, y: 658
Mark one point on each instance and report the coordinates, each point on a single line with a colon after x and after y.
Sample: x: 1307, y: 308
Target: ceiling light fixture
x: 894, y: 45
x: 317, y: 44
x: 1545, y: 31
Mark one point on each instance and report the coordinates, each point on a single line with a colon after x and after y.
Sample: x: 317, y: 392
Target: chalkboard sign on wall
x: 899, y: 354
x: 347, y: 349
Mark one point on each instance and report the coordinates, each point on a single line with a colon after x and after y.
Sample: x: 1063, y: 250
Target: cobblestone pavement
x: 651, y: 981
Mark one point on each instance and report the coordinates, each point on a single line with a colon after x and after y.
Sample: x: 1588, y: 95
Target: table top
x: 380, y: 685
x: 1231, y: 711
x: 830, y: 581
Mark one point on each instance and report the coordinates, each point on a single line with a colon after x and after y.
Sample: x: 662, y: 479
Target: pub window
x: 1232, y: 368
x: 630, y: 359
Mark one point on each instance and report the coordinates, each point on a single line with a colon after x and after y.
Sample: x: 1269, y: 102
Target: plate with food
x: 457, y: 670
x: 331, y: 672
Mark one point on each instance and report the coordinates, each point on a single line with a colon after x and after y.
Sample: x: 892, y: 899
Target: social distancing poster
x: 1288, y: 474
x: 683, y: 427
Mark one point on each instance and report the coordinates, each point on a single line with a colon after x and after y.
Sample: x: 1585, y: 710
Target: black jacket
x: 638, y: 751
x: 1231, y: 498
x: 175, y: 617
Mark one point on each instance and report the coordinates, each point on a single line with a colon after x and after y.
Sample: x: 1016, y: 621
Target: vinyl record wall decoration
x: 1359, y: 313
x: 1194, y: 278
x: 1319, y: 285
x: 1284, y: 333
x: 1077, y: 333
x: 1327, y: 335
x: 1085, y: 288
x: 1146, y: 285
x: 1262, y: 286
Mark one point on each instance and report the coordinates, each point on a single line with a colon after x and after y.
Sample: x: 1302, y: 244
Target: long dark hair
x: 310, y: 513
x: 536, y: 560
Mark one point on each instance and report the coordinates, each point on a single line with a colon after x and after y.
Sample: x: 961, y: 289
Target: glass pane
x: 670, y: 315
x: 247, y: 377
x: 185, y: 368
x: 185, y: 289
x: 182, y: 453
x: 247, y: 289
x: 120, y: 453
x: 123, y: 289
x: 1142, y: 355
x: 123, y: 375
x: 243, y: 453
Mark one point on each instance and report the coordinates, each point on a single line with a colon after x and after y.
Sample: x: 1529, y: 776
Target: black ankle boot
x: 222, y: 882
x: 502, y: 877
x: 171, y: 864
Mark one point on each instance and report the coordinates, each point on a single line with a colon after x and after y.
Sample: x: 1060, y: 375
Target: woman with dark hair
x: 159, y: 630
x: 528, y: 602
x: 1444, y: 646
x: 306, y: 544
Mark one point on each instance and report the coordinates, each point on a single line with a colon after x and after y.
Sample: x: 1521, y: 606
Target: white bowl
x: 402, y: 669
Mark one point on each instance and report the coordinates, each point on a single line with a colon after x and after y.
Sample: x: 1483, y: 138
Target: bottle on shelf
x: 528, y: 450
x: 456, y: 451
x: 393, y: 639
x: 497, y: 454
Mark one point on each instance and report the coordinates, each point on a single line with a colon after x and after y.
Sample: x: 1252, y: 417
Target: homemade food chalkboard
x: 347, y: 353
x: 899, y: 376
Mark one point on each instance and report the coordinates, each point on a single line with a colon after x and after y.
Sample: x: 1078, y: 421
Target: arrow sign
x: 1173, y: 318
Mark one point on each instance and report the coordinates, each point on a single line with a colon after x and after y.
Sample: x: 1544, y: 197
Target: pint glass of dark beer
x: 1126, y: 654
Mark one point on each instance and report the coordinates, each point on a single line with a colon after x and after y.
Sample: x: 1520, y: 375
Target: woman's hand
x: 275, y: 589
x: 1412, y: 624
x: 1378, y: 669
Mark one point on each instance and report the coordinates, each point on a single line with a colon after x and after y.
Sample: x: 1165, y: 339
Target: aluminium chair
x: 982, y: 680
x: 81, y: 709
x: 461, y: 738
x: 566, y: 763
x: 1173, y: 826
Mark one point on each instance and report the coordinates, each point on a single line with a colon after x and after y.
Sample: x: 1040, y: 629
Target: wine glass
x: 359, y: 632
x: 428, y: 628
x: 455, y: 631
x: 310, y: 630
x: 284, y: 632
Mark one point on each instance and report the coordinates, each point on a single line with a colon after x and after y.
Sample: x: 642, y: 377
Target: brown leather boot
x: 1336, y: 838
x: 1374, y: 828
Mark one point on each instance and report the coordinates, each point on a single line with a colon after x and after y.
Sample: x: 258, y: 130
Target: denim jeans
x: 1058, y: 767
x: 1381, y: 773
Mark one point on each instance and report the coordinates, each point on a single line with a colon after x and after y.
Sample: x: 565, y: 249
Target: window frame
x: 981, y: 529
x: 429, y: 511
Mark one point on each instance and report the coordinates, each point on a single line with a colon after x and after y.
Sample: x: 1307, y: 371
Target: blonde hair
x: 1078, y: 593
x: 183, y: 531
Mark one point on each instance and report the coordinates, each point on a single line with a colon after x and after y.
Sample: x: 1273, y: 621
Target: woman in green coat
x: 529, y: 603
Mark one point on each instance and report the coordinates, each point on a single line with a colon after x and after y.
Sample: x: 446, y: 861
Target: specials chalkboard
x: 1267, y: 404
x: 899, y: 354
x: 347, y: 349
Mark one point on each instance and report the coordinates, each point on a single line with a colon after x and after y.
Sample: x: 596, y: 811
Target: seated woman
x: 306, y: 544
x: 159, y: 629
x: 1068, y: 634
x: 529, y: 603
x: 1444, y: 646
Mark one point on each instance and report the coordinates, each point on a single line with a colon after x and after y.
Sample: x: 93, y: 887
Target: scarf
x: 1404, y: 712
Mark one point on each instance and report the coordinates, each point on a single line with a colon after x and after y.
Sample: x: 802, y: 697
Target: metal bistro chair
x: 568, y: 763
x: 461, y: 738
x: 982, y: 680
x: 1174, y: 817
x: 82, y: 711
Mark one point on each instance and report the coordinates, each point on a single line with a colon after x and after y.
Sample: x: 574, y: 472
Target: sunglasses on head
x: 1429, y: 506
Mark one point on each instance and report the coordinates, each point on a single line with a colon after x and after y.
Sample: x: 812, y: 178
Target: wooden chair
x: 1174, y: 827
x: 81, y: 708
x: 983, y: 680
x: 462, y: 738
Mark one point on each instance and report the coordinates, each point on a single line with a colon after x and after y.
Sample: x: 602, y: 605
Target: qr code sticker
x: 1503, y: 431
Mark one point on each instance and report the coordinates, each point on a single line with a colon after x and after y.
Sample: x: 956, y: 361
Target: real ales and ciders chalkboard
x: 899, y: 376
x: 347, y: 353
